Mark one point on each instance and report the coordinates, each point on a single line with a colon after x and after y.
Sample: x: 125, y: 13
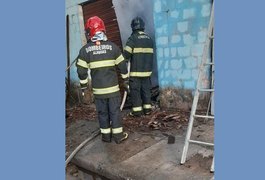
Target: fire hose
x: 95, y: 134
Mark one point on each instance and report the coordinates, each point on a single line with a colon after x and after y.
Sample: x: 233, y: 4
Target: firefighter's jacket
x: 139, y: 50
x: 102, y: 60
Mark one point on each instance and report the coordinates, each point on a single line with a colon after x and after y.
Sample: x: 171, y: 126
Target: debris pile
x: 158, y: 120
x: 81, y: 112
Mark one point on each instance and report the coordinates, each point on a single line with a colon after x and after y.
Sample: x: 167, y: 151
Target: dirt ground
x: 167, y: 122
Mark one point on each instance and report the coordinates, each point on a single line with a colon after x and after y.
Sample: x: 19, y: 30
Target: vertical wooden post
x: 68, y: 55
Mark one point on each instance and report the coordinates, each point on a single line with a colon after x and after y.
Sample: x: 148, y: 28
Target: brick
x: 166, y: 65
x: 160, y: 52
x: 175, y: 39
x: 199, y: 60
x: 162, y: 40
x: 174, y: 14
x: 166, y: 52
x: 185, y: 74
x: 188, y: 39
x: 200, y: 1
x: 177, y: 83
x: 182, y: 26
x: 202, y: 36
x: 157, y: 6
x: 164, y: 83
x: 161, y: 74
x: 176, y: 64
x: 197, y: 50
x: 167, y: 74
x: 162, y: 30
x: 194, y: 74
x: 159, y: 18
x: 188, y: 13
x: 173, y: 51
x: 174, y: 74
x: 159, y: 64
x: 189, y: 85
x: 184, y: 51
x: 206, y: 10
x: 190, y: 62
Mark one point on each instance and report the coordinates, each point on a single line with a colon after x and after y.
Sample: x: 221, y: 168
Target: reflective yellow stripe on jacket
x: 99, y: 64
x: 106, y: 90
x: 82, y: 63
x: 128, y: 49
x: 143, y: 50
x: 140, y: 74
x: 119, y: 59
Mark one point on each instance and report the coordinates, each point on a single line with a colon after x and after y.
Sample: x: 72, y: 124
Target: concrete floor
x: 146, y: 157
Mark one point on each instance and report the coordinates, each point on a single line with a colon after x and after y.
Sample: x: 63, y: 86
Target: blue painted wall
x: 181, y: 30
x: 180, y: 33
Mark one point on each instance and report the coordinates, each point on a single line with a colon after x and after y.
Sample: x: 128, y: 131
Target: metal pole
x: 68, y: 54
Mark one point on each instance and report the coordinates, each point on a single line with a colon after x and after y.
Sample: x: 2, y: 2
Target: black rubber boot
x: 147, y: 111
x: 106, y: 137
x: 136, y: 114
x: 118, y: 138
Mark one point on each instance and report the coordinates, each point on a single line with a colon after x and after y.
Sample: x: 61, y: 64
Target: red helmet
x: 93, y: 25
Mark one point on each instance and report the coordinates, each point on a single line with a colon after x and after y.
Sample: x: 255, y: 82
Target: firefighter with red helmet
x: 102, y: 56
x: 139, y: 50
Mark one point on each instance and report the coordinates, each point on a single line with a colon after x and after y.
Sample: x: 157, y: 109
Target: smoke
x: 126, y: 10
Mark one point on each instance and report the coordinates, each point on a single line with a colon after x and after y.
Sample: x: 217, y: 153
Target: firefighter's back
x: 142, y: 53
x: 101, y: 59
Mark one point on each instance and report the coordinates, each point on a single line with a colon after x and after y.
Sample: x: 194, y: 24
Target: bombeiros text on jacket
x: 99, y: 49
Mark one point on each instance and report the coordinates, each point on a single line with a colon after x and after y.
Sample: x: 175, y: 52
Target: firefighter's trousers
x: 109, y: 115
x: 140, y: 91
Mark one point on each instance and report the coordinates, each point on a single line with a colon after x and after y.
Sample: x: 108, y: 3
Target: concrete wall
x: 76, y: 33
x: 181, y: 30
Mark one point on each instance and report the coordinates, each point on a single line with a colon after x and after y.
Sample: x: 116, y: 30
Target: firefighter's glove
x: 126, y: 85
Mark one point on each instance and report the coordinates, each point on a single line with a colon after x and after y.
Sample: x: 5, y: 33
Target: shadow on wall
x: 126, y: 10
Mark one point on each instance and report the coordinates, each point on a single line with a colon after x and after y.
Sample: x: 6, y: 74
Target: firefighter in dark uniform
x: 101, y: 57
x: 139, y: 50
